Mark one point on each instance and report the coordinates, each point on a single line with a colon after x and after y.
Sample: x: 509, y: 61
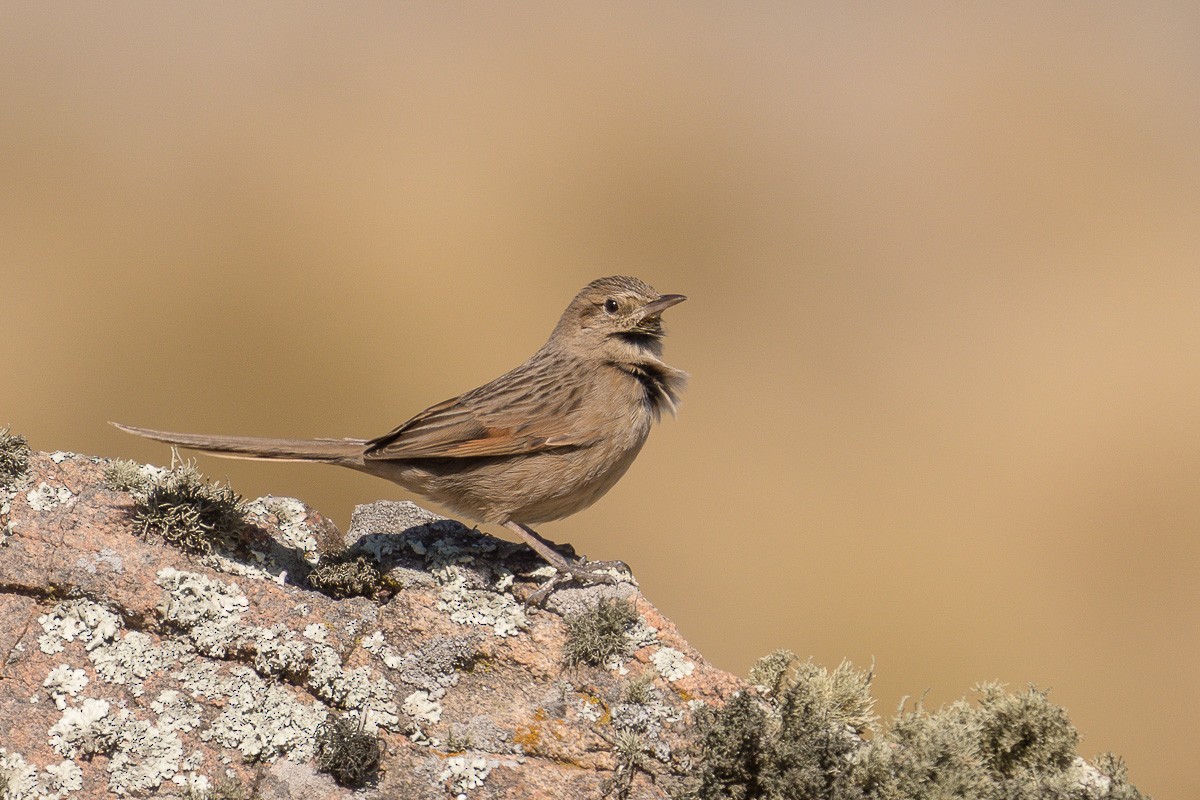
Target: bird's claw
x: 583, y: 571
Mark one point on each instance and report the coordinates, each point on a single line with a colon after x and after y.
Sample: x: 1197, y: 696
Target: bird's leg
x: 541, y: 546
x: 594, y: 573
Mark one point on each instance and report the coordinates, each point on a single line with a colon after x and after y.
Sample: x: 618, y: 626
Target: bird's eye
x: 610, y: 306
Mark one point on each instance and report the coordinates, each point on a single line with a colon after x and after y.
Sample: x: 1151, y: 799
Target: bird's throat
x: 661, y: 385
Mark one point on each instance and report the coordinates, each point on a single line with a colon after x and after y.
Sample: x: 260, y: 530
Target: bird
x: 539, y: 443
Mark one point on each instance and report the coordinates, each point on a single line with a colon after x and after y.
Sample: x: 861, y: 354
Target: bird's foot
x: 582, y: 571
x: 618, y: 570
x: 567, y: 569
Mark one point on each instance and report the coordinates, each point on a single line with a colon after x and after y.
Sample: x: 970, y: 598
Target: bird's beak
x: 656, y: 307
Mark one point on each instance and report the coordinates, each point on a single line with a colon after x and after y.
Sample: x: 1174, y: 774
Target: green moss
x: 596, y: 634
x: 629, y: 749
x: 804, y: 738
x: 639, y: 690
x: 771, y: 670
x: 924, y: 755
x: 815, y: 716
x: 123, y: 475
x: 14, y: 457
x: 346, y: 752
x: 1113, y: 768
x: 185, y: 510
x: 731, y: 762
x: 1023, y: 732
x: 342, y: 576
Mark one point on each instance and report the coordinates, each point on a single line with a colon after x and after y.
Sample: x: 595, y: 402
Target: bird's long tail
x: 333, y: 451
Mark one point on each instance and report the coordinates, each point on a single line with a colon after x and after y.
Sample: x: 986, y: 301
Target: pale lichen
x: 278, y: 650
x: 81, y: 619
x: 21, y: 781
x: 317, y: 632
x: 110, y: 558
x: 129, y: 659
x: 641, y: 634
x: 46, y: 497
x: 261, y: 719
x: 210, y: 612
x: 18, y: 778
x: 423, y: 706
x: 62, y: 779
x: 474, y: 606
x: 291, y: 520
x: 146, y: 755
x: 462, y: 773
x: 176, y: 711
x: 672, y: 664
x: 64, y: 682
x: 85, y: 729
x: 435, y: 664
x: 355, y: 688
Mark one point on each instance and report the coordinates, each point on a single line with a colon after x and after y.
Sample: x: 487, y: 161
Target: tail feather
x: 256, y: 447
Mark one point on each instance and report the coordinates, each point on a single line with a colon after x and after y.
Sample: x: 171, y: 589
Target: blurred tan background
x: 944, y: 269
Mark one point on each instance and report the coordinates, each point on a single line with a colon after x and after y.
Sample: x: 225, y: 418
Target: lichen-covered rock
x: 277, y: 658
x: 132, y: 668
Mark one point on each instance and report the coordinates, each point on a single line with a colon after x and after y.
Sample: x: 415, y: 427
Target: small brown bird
x: 538, y: 443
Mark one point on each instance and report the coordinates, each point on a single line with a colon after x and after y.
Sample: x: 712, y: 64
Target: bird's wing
x: 519, y: 413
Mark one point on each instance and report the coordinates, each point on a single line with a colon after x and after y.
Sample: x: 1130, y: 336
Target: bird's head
x: 619, y: 318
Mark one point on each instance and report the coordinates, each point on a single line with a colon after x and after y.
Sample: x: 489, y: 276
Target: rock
x: 129, y: 667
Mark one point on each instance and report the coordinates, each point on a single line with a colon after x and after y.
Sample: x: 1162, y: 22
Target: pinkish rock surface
x: 128, y: 667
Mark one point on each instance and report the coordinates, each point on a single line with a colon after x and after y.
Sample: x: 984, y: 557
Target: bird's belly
x: 580, y: 479
x: 532, y: 488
